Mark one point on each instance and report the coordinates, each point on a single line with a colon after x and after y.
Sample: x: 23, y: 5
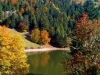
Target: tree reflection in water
x: 46, y: 63
x: 40, y: 60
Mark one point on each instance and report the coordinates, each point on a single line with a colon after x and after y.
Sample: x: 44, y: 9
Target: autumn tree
x: 41, y: 37
x: 84, y: 28
x: 35, y: 35
x: 22, y: 26
x: 84, y: 56
x: 44, y: 37
x: 12, y: 55
x: 21, y: 10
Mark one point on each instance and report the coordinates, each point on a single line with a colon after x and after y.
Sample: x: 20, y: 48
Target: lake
x: 46, y: 63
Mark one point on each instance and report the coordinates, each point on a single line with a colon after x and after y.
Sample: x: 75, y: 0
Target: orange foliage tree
x: 85, y: 28
x: 12, y: 55
x: 44, y: 37
x: 85, y: 48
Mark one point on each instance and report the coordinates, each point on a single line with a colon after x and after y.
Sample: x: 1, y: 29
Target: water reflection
x: 39, y: 60
x: 46, y: 63
x: 44, y: 59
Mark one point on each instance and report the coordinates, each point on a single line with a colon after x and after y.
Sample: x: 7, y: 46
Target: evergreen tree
x: 91, y: 10
x: 13, y: 22
x: 17, y: 6
x: 26, y: 19
x: 44, y: 22
x: 9, y: 5
x: 18, y: 18
x: 1, y: 12
x: 4, y: 6
x: 8, y: 22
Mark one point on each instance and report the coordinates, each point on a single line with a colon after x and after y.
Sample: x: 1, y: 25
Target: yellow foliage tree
x: 46, y: 9
x: 21, y: 10
x: 35, y: 35
x: 12, y: 55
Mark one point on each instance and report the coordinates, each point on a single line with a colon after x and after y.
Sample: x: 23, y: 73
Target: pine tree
x: 32, y: 20
x: 9, y: 5
x: 13, y: 22
x: 1, y: 12
x: 91, y: 10
x: 26, y: 19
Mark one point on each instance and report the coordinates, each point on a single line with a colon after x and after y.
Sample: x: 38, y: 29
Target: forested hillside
x: 47, y: 21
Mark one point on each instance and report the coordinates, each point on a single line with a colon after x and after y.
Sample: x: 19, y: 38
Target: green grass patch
x: 29, y: 44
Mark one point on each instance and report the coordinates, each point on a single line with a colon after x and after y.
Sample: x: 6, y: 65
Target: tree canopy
x: 12, y: 55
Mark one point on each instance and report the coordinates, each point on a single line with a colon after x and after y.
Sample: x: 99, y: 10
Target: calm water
x: 46, y: 63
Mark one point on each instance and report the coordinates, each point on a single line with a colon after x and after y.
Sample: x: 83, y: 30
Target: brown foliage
x: 85, y: 28
x: 22, y: 26
x: 13, y: 1
x: 85, y: 60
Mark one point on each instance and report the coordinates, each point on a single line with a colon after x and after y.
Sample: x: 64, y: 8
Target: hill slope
x: 28, y: 43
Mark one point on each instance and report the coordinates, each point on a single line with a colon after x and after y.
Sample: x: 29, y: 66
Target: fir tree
x: 91, y: 10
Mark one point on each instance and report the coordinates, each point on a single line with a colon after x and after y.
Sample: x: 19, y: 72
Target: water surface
x: 46, y: 63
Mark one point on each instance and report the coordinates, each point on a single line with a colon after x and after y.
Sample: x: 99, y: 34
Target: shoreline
x: 46, y: 49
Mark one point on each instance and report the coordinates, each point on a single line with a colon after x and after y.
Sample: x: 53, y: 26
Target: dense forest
x: 61, y: 23
x: 50, y: 21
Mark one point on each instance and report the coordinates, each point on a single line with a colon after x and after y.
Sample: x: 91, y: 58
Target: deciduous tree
x: 85, y: 48
x: 35, y: 35
x: 12, y: 55
x: 44, y: 37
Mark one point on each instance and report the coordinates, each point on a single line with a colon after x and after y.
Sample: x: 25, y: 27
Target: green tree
x: 18, y: 18
x: 8, y: 22
x: 91, y: 10
x: 32, y: 20
x: 1, y: 13
x: 44, y: 22
x: 26, y: 19
x: 13, y: 22
x: 17, y: 6
x: 9, y: 5
x: 59, y: 40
